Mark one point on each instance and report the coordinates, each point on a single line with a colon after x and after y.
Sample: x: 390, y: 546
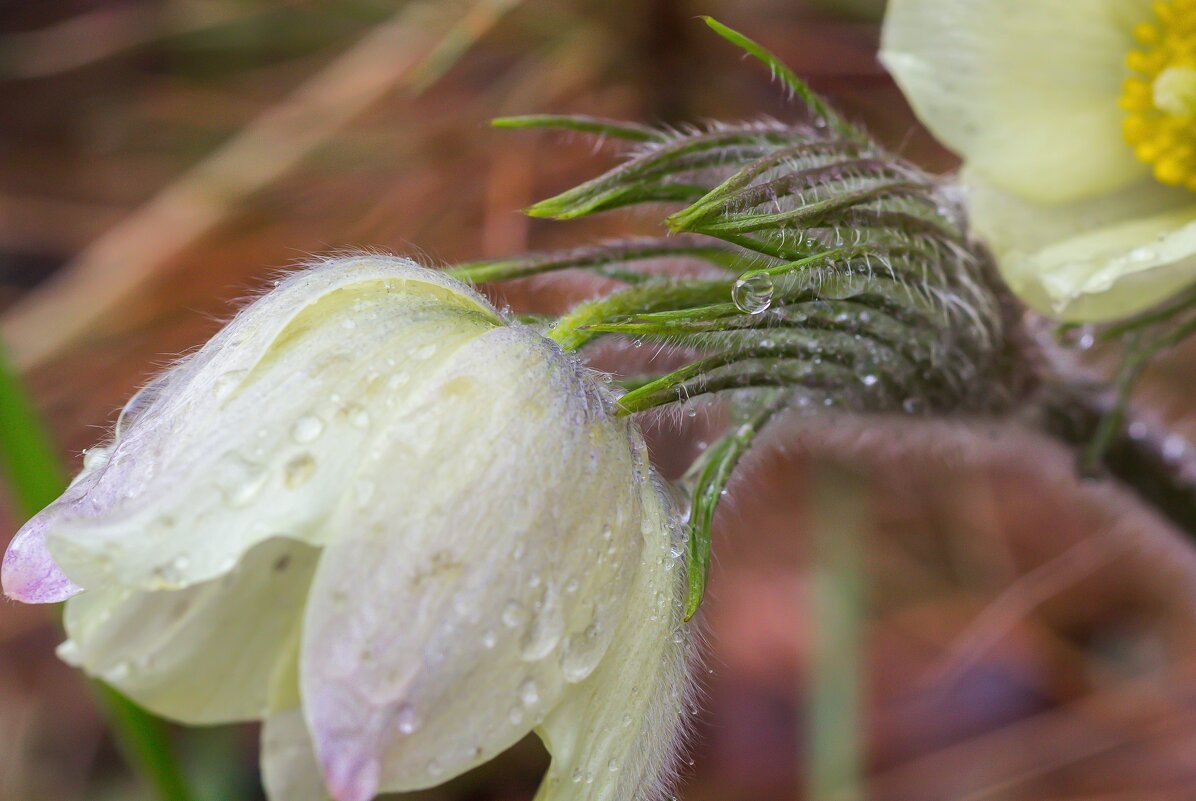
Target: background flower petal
x: 1099, y: 259
x: 487, y: 568
x: 1025, y: 91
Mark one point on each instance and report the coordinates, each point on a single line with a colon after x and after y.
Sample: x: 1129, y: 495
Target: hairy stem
x: 1135, y: 452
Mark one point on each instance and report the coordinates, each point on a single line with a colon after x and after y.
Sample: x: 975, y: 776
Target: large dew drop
x: 752, y: 294
x: 581, y: 654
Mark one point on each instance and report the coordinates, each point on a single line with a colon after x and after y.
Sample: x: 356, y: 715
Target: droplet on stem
x: 752, y: 294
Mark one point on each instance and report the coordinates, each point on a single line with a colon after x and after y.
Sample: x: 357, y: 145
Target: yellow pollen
x: 1159, y: 97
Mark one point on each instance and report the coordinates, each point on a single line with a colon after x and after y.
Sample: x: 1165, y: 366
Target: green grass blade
x: 839, y: 503
x: 35, y: 477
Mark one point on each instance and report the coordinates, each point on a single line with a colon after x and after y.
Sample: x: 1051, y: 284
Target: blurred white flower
x: 397, y: 529
x: 1076, y: 122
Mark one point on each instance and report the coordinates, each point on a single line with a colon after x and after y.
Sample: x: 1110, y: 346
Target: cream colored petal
x: 289, y: 768
x: 487, y: 562
x: 615, y: 737
x: 252, y: 437
x: 216, y: 652
x: 1096, y: 260
x: 1025, y: 91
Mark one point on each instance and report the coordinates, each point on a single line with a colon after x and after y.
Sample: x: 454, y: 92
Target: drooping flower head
x: 396, y: 528
x: 1076, y: 122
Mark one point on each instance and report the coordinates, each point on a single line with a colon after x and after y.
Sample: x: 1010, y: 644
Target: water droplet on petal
x: 356, y: 414
x: 581, y: 654
x: 299, y: 470
x: 239, y: 479
x: 752, y: 294
x: 514, y: 615
x: 307, y: 429
x: 407, y: 719
x: 529, y: 693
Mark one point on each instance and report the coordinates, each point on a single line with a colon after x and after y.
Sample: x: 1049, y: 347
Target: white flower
x: 1076, y: 122
x: 397, y: 529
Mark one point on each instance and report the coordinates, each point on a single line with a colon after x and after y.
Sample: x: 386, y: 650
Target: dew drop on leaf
x: 753, y: 294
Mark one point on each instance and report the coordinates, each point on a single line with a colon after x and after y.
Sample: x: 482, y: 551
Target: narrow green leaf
x: 710, y: 475
x: 572, y: 331
x: 582, y: 123
x: 819, y: 107
x: 807, y: 214
x: 598, y: 258
x: 679, y: 170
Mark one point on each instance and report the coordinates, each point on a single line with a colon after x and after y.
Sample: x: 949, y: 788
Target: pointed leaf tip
x: 814, y: 102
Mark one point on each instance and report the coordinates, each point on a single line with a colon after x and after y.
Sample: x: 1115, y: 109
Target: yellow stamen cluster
x: 1160, y: 97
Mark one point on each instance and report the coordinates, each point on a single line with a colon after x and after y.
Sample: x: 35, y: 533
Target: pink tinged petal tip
x: 351, y: 777
x: 29, y: 573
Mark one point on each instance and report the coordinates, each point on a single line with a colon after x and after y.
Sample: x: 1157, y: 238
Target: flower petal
x: 1099, y: 259
x: 485, y: 570
x: 290, y: 771
x: 1025, y: 91
x: 615, y: 737
x: 29, y: 573
x: 251, y: 437
x: 216, y: 652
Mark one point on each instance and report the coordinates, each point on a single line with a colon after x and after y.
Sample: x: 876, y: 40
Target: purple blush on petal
x: 351, y: 778
x: 29, y: 573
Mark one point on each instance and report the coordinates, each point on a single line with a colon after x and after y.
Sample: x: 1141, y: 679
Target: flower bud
x: 399, y: 530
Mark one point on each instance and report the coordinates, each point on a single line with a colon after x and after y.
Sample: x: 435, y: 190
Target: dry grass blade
x: 110, y: 269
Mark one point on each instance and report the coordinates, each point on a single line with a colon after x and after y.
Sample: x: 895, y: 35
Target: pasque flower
x: 400, y: 530
x: 1076, y: 122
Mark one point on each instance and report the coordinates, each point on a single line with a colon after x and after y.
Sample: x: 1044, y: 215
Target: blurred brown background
x: 1026, y: 636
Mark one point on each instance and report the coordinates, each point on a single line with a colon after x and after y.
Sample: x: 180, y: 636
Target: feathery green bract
x: 831, y: 275
x: 681, y: 166
x: 614, y: 259
x: 708, y: 477
x: 823, y: 113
